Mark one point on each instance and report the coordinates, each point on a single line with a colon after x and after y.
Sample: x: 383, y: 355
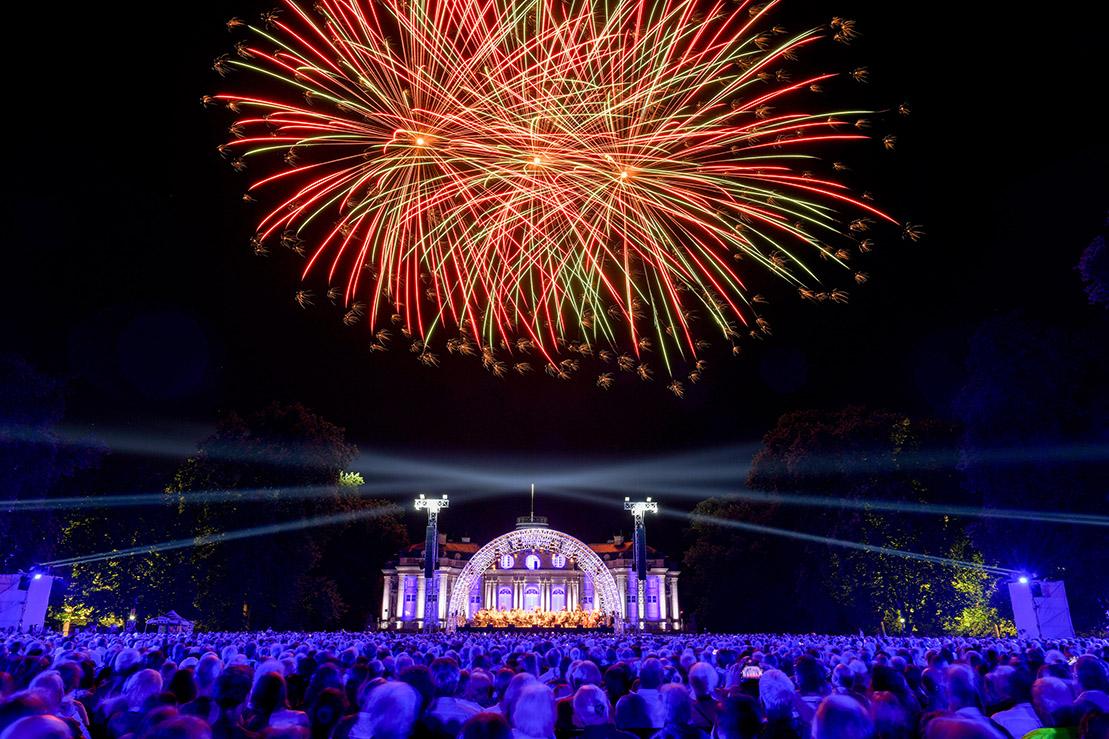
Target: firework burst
x: 524, y: 178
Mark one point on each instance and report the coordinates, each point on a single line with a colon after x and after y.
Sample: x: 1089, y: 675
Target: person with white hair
x: 389, y: 711
x: 592, y: 712
x: 780, y: 703
x: 533, y: 716
x: 138, y: 692
x: 841, y: 717
x: 703, y: 679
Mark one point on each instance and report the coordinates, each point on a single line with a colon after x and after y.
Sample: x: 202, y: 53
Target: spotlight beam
x: 199, y: 497
x: 723, y: 463
x: 802, y: 536
x: 226, y: 536
x: 462, y: 479
x: 843, y: 543
x: 792, y: 499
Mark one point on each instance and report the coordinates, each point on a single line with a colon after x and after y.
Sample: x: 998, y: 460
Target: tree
x: 731, y: 599
x: 70, y: 614
x: 852, y: 455
x: 288, y: 579
x: 152, y: 583
x: 33, y: 460
x: 1035, y: 393
x: 975, y: 590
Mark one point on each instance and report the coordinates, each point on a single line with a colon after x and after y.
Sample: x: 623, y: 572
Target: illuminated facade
x: 533, y: 567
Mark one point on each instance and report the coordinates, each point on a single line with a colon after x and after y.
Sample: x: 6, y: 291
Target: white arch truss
x: 605, y: 591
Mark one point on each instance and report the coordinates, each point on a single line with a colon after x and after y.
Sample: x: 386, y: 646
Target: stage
x: 534, y: 629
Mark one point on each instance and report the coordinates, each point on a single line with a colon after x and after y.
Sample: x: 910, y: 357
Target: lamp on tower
x: 639, y: 509
x: 431, y: 557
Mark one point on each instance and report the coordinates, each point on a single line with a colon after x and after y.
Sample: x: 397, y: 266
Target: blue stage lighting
x: 1023, y: 579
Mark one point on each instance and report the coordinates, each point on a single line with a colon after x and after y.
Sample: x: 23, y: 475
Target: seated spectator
x: 738, y: 718
x: 485, y: 725
x: 325, y: 712
x: 390, y: 712
x: 269, y: 706
x: 592, y: 714
x: 1053, y: 700
x: 139, y: 693
x: 230, y: 694
x: 677, y: 711
x: 533, y: 715
x: 780, y: 704
x: 1013, y: 689
x: 703, y: 679
x: 38, y: 727
x: 181, y: 727
x: 447, y: 712
x: 890, y: 718
x: 632, y: 716
x: 841, y: 717
x: 650, y: 679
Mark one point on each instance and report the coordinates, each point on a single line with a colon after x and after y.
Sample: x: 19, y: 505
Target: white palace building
x: 533, y: 567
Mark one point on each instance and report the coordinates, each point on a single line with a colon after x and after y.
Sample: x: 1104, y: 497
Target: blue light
x: 37, y: 576
x: 1023, y: 579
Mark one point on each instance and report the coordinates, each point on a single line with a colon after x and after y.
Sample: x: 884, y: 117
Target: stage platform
x: 533, y: 629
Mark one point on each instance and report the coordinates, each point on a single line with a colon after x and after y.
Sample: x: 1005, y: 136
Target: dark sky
x: 127, y: 269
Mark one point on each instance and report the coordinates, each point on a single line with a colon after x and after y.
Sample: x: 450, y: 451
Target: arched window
x: 531, y: 597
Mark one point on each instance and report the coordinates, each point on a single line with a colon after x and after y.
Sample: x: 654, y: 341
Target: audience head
x: 533, y: 714
x: 591, y: 706
x: 485, y: 726
x: 841, y: 717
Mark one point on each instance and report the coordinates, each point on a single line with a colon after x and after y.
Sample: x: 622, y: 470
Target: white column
x: 545, y: 595
x: 421, y: 590
x: 444, y: 590
x: 622, y: 589
x: 675, y: 613
x: 662, y: 601
x: 640, y: 596
x: 386, y: 596
x: 398, y: 612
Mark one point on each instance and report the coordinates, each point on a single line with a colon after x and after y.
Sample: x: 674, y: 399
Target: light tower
x: 639, y: 508
x: 431, y: 557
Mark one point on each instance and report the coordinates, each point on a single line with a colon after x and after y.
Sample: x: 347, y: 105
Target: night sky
x: 127, y: 269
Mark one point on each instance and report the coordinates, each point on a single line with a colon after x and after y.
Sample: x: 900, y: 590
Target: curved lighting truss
x: 547, y: 540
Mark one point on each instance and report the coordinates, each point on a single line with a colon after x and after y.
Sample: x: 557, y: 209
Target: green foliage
x: 351, y: 480
x: 856, y: 455
x: 973, y: 591
x: 70, y: 612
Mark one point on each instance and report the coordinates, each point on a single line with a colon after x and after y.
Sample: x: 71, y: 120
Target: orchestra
x: 539, y: 619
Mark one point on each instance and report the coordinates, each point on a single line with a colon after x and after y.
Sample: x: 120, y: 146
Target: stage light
x: 37, y: 576
x: 1023, y: 579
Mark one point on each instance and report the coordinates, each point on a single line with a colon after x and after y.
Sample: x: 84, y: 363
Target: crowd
x: 545, y: 685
